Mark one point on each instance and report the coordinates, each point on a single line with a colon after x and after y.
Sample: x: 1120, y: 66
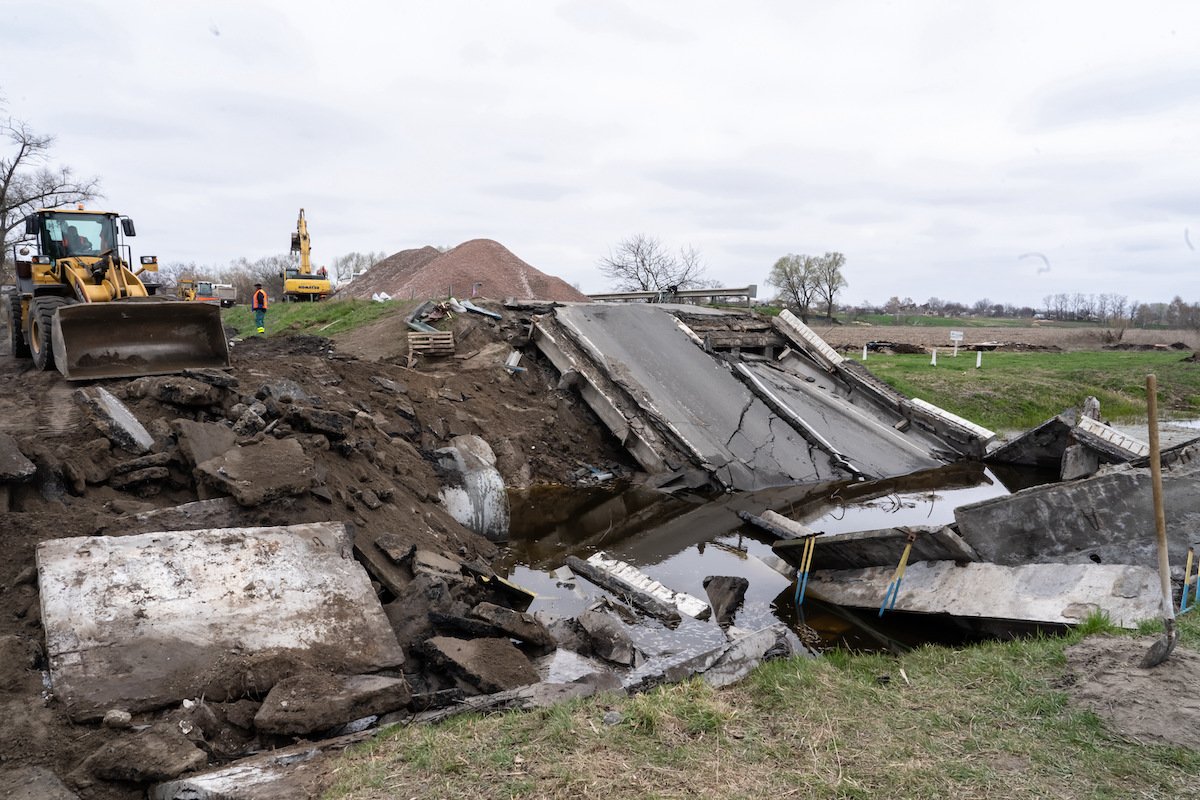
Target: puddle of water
x: 681, y: 540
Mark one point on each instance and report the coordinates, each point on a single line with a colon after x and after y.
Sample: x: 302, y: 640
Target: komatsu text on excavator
x: 80, y: 307
x: 300, y: 283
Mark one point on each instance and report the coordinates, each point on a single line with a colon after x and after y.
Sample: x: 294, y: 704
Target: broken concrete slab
x: 318, y: 701
x: 1045, y: 593
x: 488, y: 665
x: 879, y: 548
x: 1073, y: 443
x: 33, y: 783
x: 142, y: 621
x: 200, y: 441
x: 1107, y: 519
x: 115, y: 420
x: 477, y: 497
x: 725, y: 595
x: 746, y: 652
x: 524, y: 698
x: 177, y: 390
x: 672, y: 404
x: 259, y: 472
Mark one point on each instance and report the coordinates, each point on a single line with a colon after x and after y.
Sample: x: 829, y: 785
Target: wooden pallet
x: 429, y: 344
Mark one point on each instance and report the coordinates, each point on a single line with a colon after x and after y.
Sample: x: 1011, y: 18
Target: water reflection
x: 681, y: 540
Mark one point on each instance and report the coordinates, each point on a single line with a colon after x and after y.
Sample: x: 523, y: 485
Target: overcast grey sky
x: 933, y: 143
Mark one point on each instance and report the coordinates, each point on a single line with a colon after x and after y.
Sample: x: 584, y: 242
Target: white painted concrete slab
x: 1050, y: 593
x: 139, y: 622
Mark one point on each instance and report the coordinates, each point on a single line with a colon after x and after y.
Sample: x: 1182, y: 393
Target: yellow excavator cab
x: 80, y: 306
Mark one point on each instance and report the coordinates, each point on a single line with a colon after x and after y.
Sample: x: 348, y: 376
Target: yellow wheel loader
x: 78, y: 305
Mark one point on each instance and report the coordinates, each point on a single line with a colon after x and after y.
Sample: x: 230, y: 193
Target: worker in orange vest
x: 259, y: 304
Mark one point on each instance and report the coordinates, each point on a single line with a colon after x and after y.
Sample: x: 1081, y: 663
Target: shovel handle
x: 1160, y: 519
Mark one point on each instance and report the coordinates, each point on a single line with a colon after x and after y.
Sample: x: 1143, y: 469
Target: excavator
x: 80, y: 307
x: 301, y: 283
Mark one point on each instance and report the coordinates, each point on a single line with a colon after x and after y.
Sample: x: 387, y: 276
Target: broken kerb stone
x: 478, y: 500
x: 747, y: 652
x: 115, y: 420
x: 609, y: 640
x: 491, y: 665
x: 261, y: 471
x: 516, y: 624
x: 121, y: 612
x: 317, y: 701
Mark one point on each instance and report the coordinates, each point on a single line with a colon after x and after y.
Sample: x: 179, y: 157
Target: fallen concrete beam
x: 139, y: 622
x: 643, y: 591
x: 284, y: 774
x: 879, y: 548
x: 115, y: 420
x: 1045, y: 593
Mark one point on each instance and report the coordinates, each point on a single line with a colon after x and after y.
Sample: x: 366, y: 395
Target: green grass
x: 1020, y: 390
x: 989, y: 720
x: 325, y: 319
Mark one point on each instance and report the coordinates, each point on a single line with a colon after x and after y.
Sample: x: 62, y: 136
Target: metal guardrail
x: 667, y: 296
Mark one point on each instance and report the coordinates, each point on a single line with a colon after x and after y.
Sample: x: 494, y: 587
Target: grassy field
x: 325, y: 319
x: 1020, y: 390
x: 985, y: 721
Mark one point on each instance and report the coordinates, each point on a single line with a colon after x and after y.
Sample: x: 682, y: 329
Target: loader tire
x: 16, y: 329
x: 41, y: 317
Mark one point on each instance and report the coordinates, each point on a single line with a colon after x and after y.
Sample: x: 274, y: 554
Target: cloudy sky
x: 940, y: 146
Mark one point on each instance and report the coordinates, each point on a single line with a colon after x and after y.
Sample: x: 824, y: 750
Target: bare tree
x: 642, y: 263
x: 796, y: 279
x: 829, y: 279
x: 29, y: 182
x: 344, y: 268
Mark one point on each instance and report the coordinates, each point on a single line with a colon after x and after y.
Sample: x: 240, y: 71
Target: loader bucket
x: 131, y: 338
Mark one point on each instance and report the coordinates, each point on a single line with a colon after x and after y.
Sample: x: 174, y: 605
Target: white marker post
x: 978, y: 359
x: 933, y: 361
x: 956, y: 337
x: 864, y: 352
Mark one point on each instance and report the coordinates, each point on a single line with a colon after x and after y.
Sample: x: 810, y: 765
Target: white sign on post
x: 956, y: 337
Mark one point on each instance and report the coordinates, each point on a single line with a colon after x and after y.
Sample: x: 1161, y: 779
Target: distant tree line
x: 1115, y: 310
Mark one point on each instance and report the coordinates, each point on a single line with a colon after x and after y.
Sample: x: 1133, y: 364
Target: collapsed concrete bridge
x: 745, y: 420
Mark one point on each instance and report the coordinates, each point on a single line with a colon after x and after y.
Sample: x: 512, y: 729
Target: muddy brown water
x: 679, y: 540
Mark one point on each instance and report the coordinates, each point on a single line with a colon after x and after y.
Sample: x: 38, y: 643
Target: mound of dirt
x: 1150, y: 705
x: 478, y: 268
x: 391, y: 272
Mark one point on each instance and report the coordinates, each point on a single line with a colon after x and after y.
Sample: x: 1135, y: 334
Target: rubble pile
x: 296, y: 441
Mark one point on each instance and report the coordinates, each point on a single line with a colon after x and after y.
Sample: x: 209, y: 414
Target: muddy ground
x: 401, y: 416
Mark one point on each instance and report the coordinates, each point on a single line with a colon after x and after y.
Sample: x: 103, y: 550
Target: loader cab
x: 65, y: 234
